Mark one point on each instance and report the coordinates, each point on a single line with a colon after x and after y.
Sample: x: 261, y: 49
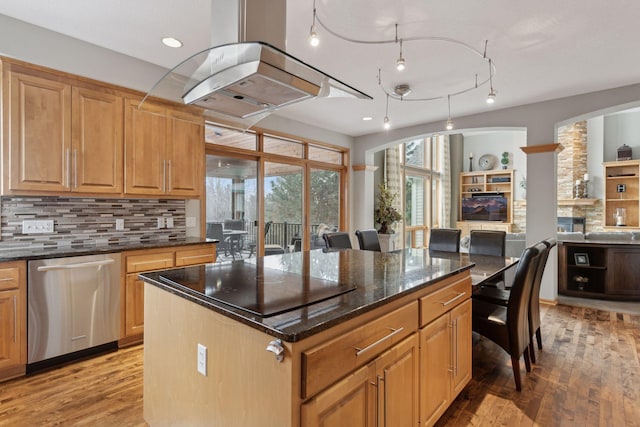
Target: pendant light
x: 491, y: 98
x: 313, y: 36
x: 387, y: 124
x: 449, y: 125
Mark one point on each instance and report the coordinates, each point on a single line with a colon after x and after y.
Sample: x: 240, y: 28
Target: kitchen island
x: 308, y: 338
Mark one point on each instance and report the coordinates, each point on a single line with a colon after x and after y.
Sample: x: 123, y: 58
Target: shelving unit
x: 626, y: 173
x: 492, y: 181
x: 611, y: 273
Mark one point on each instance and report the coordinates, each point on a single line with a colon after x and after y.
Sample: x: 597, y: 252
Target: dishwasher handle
x: 74, y: 266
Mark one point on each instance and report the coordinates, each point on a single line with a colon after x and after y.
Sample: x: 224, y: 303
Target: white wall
x: 623, y: 128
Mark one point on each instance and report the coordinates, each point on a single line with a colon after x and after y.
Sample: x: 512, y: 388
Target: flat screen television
x: 484, y: 207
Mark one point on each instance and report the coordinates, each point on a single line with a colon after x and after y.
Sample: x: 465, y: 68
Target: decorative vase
x: 389, y: 242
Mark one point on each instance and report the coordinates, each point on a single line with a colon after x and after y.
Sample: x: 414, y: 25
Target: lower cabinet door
x: 134, y: 306
x: 349, y: 402
x: 461, y: 337
x: 10, y: 328
x: 435, y: 369
x: 397, y: 373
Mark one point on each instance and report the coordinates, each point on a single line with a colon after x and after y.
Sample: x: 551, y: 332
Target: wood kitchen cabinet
x: 382, y: 393
x: 61, y: 138
x: 132, y: 291
x: 445, y: 355
x: 13, y: 319
x: 164, y: 150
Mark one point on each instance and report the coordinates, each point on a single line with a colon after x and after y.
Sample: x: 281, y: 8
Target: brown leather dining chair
x: 368, y: 239
x: 508, y: 326
x: 444, y: 239
x: 337, y: 240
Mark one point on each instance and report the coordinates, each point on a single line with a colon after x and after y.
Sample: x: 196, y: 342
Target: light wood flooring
x: 588, y: 374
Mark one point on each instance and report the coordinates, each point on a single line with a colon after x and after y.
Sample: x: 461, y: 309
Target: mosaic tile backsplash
x: 88, y: 221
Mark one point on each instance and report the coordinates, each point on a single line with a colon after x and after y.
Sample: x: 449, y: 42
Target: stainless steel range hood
x: 247, y: 81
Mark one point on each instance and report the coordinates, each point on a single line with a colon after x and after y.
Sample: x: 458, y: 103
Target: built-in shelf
x: 578, y: 202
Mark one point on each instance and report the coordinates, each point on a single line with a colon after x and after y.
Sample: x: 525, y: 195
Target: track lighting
x: 400, y: 65
x: 449, y: 121
x: 387, y: 124
x: 313, y: 36
x: 491, y: 98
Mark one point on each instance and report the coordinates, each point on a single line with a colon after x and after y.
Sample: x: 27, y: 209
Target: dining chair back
x: 271, y: 248
x: 234, y: 224
x: 368, y: 239
x: 444, y: 239
x: 508, y: 326
x: 215, y: 231
x: 534, y: 304
x: 338, y: 239
x: 487, y: 242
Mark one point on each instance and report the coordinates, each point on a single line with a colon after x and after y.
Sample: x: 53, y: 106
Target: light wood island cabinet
x: 377, y: 369
x: 13, y: 319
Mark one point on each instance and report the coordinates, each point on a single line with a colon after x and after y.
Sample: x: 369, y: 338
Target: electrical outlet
x: 191, y: 222
x: 202, y: 359
x: 37, y: 226
x: 119, y: 224
x: 169, y: 222
x: 160, y: 222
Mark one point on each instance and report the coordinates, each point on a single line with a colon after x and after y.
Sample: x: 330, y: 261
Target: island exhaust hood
x: 247, y: 81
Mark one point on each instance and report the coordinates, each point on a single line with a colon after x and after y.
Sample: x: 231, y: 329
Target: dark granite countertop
x: 376, y: 278
x: 64, y: 251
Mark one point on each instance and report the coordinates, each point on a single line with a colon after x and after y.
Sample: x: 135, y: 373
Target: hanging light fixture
x: 387, y: 124
x: 313, y: 36
x: 449, y: 121
x: 400, y: 64
x: 491, y: 98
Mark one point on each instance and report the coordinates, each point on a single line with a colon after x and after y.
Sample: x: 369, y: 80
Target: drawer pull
x: 386, y: 337
x: 6, y: 279
x: 457, y: 297
x: 184, y: 258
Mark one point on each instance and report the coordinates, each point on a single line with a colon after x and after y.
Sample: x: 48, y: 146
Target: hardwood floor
x: 588, y: 374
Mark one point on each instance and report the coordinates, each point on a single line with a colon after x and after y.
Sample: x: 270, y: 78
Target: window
x: 424, y: 169
x: 276, y: 182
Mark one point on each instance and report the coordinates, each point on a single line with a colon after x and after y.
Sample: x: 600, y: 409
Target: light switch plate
x: 119, y: 224
x: 169, y: 222
x: 33, y: 226
x: 202, y: 359
x: 160, y: 222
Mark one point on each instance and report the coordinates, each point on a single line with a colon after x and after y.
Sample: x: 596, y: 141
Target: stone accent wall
x: 572, y: 165
x: 89, y: 221
x: 519, y: 216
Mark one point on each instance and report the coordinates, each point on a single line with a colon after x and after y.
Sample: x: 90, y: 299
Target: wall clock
x: 487, y: 161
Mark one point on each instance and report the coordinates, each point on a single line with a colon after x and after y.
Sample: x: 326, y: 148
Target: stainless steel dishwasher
x: 73, y: 308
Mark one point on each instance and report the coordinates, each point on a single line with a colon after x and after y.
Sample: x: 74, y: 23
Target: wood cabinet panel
x: 149, y: 261
x: 324, y: 364
x: 623, y: 268
x: 40, y: 133
x: 439, y: 302
x: 134, y: 308
x: 435, y: 366
x: 185, y: 154
x: 462, y: 352
x: 13, y: 319
x: 145, y: 142
x: 195, y: 255
x: 97, y: 141
x: 349, y: 402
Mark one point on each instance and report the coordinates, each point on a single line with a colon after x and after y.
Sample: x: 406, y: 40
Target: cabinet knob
x: 276, y: 348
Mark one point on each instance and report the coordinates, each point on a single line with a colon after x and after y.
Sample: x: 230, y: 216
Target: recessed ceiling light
x: 171, y: 42
x: 367, y: 118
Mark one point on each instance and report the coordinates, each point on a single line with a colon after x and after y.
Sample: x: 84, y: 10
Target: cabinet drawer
x: 147, y: 262
x: 323, y: 365
x: 9, y: 278
x: 195, y: 255
x: 436, y: 304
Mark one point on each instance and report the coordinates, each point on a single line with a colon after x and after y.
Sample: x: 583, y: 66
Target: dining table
x: 486, y: 268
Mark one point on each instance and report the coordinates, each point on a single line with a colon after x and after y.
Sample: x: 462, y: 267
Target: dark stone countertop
x: 377, y: 277
x: 65, y: 251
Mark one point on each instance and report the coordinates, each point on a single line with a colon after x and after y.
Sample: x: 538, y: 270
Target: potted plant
x: 505, y: 160
x: 385, y: 214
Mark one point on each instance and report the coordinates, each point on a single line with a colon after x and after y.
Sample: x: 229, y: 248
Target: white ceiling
x: 542, y: 49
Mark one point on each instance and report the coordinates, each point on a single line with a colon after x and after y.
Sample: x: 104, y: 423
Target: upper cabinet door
x: 97, y: 142
x: 145, y: 148
x: 185, y: 154
x: 39, y: 135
